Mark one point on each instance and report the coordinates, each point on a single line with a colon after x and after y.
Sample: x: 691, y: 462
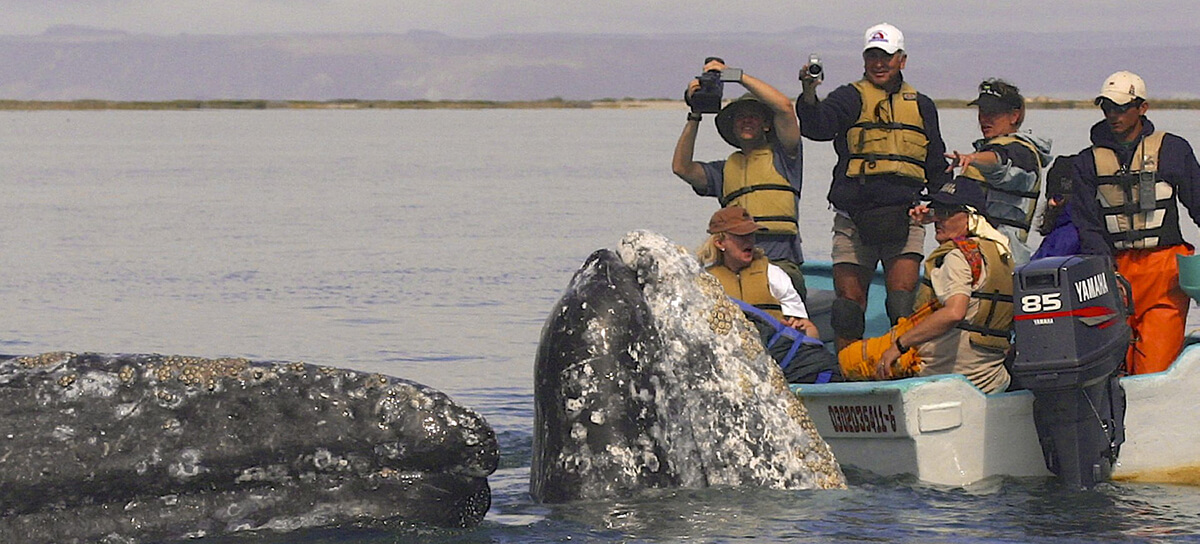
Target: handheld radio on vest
x: 1147, y: 197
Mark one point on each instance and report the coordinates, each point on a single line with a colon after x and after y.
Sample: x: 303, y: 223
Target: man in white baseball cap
x: 1126, y: 205
x: 885, y: 37
x: 889, y: 147
x: 1122, y: 88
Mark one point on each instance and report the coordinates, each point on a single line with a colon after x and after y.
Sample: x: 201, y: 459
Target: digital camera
x: 707, y: 97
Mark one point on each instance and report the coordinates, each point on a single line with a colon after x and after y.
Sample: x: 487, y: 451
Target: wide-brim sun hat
x: 730, y: 112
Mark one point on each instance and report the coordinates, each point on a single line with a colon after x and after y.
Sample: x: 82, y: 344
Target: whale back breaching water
x: 147, y: 448
x: 648, y: 376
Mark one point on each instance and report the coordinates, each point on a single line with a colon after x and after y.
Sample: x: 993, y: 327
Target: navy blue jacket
x: 1176, y: 164
x: 829, y: 119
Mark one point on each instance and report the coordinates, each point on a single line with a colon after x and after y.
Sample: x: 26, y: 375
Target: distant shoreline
x: 552, y: 103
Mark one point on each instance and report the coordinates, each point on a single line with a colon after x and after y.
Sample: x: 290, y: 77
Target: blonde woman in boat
x: 731, y: 255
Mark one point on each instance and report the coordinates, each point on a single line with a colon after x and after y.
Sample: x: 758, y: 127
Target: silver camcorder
x: 814, y: 70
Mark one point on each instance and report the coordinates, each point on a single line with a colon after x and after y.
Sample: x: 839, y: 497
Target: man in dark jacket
x: 889, y: 147
x: 1126, y: 205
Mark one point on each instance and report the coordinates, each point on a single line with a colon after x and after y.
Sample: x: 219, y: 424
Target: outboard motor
x: 1071, y: 339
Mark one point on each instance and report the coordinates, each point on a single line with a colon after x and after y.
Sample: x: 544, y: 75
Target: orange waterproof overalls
x: 1159, y: 305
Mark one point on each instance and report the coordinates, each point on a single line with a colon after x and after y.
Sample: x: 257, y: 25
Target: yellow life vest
x: 752, y: 182
x: 992, y: 322
x: 1121, y: 191
x: 889, y: 135
x: 1029, y: 198
x: 750, y: 285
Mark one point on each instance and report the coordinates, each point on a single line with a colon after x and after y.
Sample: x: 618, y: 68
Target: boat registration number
x: 863, y: 418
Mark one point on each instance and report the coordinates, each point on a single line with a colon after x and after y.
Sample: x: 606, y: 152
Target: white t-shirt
x: 780, y: 284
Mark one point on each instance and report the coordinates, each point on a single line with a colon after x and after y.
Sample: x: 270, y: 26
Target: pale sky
x: 1168, y: 19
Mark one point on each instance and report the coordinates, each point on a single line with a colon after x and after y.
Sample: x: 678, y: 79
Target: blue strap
x: 824, y: 376
x: 791, y: 354
x: 781, y: 330
x: 779, y: 333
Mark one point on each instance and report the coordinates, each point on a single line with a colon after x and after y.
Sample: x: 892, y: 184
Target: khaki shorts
x: 848, y: 249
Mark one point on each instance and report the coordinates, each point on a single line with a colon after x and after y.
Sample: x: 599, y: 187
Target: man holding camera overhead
x: 889, y: 146
x: 764, y: 174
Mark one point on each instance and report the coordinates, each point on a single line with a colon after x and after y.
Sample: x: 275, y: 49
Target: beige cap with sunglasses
x: 1122, y: 88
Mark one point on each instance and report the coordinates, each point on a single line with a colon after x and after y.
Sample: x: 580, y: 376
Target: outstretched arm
x: 986, y: 159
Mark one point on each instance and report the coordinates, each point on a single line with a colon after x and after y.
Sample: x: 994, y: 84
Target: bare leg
x: 901, y: 274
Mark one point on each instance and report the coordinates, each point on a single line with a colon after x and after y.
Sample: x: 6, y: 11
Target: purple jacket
x: 1063, y: 240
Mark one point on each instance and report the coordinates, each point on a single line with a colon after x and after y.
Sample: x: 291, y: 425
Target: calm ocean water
x: 430, y: 245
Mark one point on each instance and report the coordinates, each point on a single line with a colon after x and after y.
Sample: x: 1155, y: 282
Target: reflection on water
x: 430, y: 245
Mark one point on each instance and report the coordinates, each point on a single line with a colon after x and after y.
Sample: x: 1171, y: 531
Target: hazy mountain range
x: 69, y: 63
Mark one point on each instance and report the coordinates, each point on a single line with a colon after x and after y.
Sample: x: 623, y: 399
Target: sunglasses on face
x: 942, y: 214
x: 876, y: 54
x: 1110, y: 107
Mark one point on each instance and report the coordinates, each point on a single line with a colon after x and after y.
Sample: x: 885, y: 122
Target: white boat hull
x: 944, y: 431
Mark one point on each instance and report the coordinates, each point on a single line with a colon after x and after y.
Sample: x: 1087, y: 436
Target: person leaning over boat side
x: 1006, y: 162
x: 889, y: 145
x: 968, y: 284
x: 730, y: 254
x: 767, y: 297
x: 1130, y: 181
x: 763, y: 175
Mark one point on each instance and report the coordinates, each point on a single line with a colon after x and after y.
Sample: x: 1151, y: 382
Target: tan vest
x: 1119, y: 190
x: 992, y: 322
x: 750, y: 285
x: 889, y: 135
x: 752, y: 182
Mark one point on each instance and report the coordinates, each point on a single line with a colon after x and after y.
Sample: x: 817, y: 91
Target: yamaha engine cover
x: 1071, y: 336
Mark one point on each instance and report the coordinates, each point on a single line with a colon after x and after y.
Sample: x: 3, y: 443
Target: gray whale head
x: 145, y: 448
x: 648, y: 376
